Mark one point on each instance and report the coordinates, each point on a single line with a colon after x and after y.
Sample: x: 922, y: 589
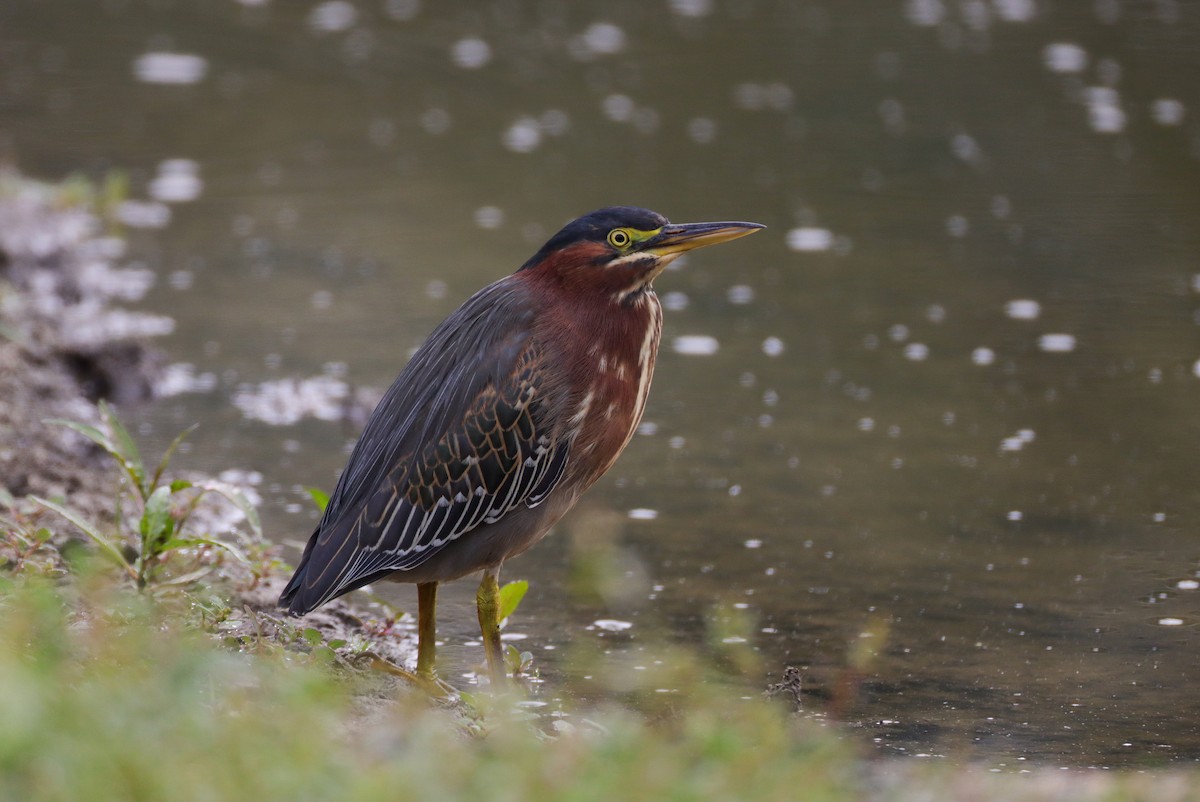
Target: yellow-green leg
x: 426, y: 628
x: 488, y: 603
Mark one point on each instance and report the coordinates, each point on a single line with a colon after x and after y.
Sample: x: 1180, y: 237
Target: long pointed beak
x: 676, y: 238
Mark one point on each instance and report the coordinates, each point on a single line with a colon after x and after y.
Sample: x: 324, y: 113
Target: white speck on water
x: 957, y: 226
x: 1015, y: 515
x: 740, y: 294
x: 489, y: 217
x: 695, y: 345
x: 604, y: 38
x: 1188, y: 584
x: 181, y: 377
x: 286, y: 401
x: 1057, y: 343
x: 898, y: 333
x: 436, y: 121
x: 808, y: 238
x: 772, y: 346
x: 675, y: 301
x: 926, y: 13
x: 1105, y: 114
x: 331, y: 16
x: 436, y: 289
x: 170, y: 68
x: 966, y: 148
x: 322, y: 299
x: 1065, y: 57
x: 1167, y: 111
x: 618, y: 108
x: 753, y: 543
x: 1001, y: 207
x: 866, y: 424
x: 677, y: 442
x: 144, y: 214
x: 1012, y: 444
x: 647, y: 428
x: 733, y: 639
x: 643, y: 514
x: 691, y: 8
x: 983, y: 356
x: 917, y: 352
x: 1170, y: 622
x: 554, y: 122
x: 177, y: 181
x: 1023, y: 309
x: 611, y: 625
x: 935, y: 313
x: 513, y: 636
x: 702, y: 130
x: 403, y: 10
x: 524, y: 135
x: 471, y: 53
x: 1196, y: 369
x: 1015, y: 10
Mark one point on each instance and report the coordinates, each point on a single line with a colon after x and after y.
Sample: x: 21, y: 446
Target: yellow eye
x: 619, y: 238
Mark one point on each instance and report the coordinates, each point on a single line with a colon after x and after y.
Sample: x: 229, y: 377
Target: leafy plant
x: 164, y: 507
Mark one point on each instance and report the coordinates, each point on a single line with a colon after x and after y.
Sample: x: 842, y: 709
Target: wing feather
x: 446, y: 451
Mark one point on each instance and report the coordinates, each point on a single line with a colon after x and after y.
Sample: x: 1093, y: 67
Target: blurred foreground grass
x: 101, y: 698
x: 104, y: 696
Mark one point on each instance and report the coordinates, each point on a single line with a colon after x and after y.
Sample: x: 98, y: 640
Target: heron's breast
x: 611, y: 395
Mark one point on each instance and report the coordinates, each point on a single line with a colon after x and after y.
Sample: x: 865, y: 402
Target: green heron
x: 512, y: 408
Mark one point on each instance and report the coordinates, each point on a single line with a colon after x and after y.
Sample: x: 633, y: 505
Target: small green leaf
x: 510, y: 597
x: 6, y: 499
x: 311, y: 636
x: 319, y: 497
x: 180, y: 484
x: 107, y: 548
x: 337, y: 643
x: 156, y: 525
x: 512, y: 659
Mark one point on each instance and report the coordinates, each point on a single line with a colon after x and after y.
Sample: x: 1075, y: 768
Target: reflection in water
x: 876, y: 441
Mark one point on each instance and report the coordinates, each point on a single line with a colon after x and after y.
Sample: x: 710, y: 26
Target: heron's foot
x: 428, y: 682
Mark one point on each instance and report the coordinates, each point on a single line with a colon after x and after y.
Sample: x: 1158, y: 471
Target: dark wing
x: 462, y: 437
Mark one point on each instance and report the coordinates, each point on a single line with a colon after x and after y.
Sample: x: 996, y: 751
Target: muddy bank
x: 63, y: 344
x: 67, y: 342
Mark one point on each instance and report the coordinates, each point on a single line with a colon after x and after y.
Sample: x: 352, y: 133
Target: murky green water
x: 947, y: 406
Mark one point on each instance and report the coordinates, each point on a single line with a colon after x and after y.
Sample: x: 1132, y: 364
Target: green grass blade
x: 126, y: 449
x: 90, y: 432
x: 237, y: 498
x: 166, y: 457
x: 191, y: 542
x: 107, y: 547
